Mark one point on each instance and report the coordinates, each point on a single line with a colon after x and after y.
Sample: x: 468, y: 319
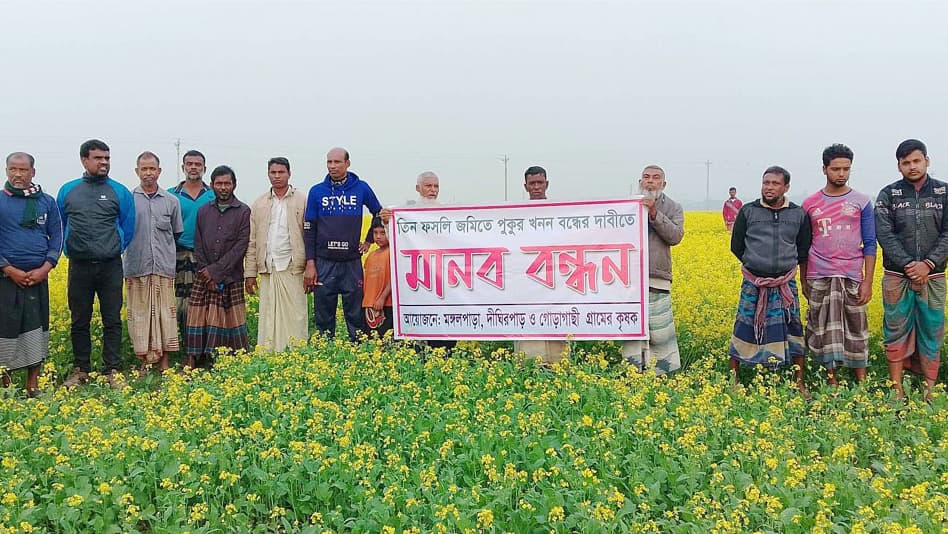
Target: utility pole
x: 707, y: 194
x: 177, y: 165
x: 506, y: 160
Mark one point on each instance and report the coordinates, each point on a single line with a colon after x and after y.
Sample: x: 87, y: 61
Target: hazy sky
x: 593, y: 91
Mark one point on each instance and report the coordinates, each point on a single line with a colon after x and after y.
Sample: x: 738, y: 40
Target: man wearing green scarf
x: 30, y: 247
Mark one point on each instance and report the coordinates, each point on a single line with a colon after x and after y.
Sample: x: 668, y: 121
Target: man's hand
x: 805, y: 287
x: 364, y: 247
x: 918, y: 271
x: 40, y: 273
x: 649, y: 204
x: 19, y: 277
x: 865, y: 293
x: 208, y: 279
x: 250, y: 284
x: 385, y: 215
x: 378, y: 304
x: 309, y: 276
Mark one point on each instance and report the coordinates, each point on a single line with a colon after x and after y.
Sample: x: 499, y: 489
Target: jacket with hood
x: 332, y: 224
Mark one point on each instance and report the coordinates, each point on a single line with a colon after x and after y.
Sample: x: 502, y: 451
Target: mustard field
x: 381, y: 437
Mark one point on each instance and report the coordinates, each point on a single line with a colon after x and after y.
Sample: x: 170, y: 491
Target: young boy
x: 377, y: 285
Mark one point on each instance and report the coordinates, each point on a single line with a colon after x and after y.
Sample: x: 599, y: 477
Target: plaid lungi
x: 152, y: 316
x: 837, y: 327
x: 914, y: 322
x: 184, y: 269
x: 780, y: 340
x: 24, y: 324
x: 660, y: 350
x: 216, y: 318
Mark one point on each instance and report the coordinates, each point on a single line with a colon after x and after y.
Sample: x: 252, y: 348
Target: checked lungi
x: 216, y: 318
x: 660, y: 350
x: 837, y: 327
x: 914, y: 322
x: 152, y: 316
x: 778, y: 340
x: 24, y: 324
x: 185, y: 267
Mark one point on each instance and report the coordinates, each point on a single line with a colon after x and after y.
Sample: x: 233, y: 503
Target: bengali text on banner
x: 537, y: 270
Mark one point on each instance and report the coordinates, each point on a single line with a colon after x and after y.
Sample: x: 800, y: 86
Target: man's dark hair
x: 90, y: 145
x: 732, y: 189
x: 223, y: 170
x: 191, y: 153
x: 777, y: 169
x: 908, y: 146
x: 279, y: 161
x: 836, y: 150
x: 26, y: 155
x: 377, y: 223
x: 147, y: 154
x: 534, y: 170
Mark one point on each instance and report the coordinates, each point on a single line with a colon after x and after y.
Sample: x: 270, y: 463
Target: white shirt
x: 279, y: 252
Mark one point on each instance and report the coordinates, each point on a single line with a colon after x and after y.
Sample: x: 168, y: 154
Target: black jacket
x: 771, y: 242
x: 911, y: 225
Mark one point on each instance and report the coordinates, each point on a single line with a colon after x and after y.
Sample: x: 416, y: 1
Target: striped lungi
x: 660, y: 350
x: 837, y: 327
x: 152, y: 316
x: 216, y: 318
x: 24, y: 324
x: 914, y: 322
x: 781, y: 338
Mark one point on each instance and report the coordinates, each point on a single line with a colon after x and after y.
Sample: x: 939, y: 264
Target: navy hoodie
x: 332, y: 225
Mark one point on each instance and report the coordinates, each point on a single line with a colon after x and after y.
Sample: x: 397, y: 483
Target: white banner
x: 538, y: 270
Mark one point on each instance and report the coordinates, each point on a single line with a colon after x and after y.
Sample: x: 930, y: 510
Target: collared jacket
x: 256, y: 260
x: 220, y: 240
x: 28, y: 248
x: 771, y: 242
x: 98, y: 217
x: 664, y: 232
x: 911, y: 225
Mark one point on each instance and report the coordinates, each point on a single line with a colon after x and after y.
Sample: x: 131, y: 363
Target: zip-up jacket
x: 664, y: 232
x: 771, y: 242
x: 332, y: 224
x: 98, y: 216
x: 911, y: 225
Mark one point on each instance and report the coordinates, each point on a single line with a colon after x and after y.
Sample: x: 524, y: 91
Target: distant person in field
x: 149, y: 264
x: 731, y: 208
x: 771, y: 238
x: 535, y: 183
x: 377, y: 298
x: 217, y: 314
x: 666, y: 228
x: 334, y: 245
x: 912, y: 228
x: 31, y: 245
x: 192, y: 193
x: 276, y: 254
x: 98, y: 217
x: 837, y: 277
x: 428, y: 186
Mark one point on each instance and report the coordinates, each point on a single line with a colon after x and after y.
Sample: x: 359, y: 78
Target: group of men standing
x: 832, y: 240
x: 187, y: 255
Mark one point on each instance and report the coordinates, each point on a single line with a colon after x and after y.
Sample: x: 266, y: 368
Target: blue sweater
x: 332, y: 225
x: 98, y: 218
x: 28, y: 248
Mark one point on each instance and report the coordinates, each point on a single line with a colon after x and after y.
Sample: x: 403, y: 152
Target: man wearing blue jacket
x: 98, y: 216
x: 332, y: 227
